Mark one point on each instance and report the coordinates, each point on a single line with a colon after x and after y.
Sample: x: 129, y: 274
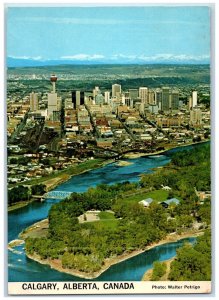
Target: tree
x: 17, y: 194
x: 159, y: 269
x: 193, y: 263
x: 13, y: 160
x: 38, y: 189
x: 204, y: 212
x: 23, y: 160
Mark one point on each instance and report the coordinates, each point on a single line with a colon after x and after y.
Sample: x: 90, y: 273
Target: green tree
x: 13, y: 160
x: 17, y: 194
x: 38, y: 189
x: 159, y: 269
x: 193, y: 263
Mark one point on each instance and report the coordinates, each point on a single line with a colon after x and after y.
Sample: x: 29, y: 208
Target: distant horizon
x: 16, y: 63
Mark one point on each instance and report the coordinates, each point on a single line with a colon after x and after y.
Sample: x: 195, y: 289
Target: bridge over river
x: 57, y: 195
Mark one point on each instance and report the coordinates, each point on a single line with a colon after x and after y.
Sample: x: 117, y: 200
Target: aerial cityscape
x: 80, y: 125
x: 108, y: 154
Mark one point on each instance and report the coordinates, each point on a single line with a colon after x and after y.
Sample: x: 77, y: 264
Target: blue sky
x: 146, y: 34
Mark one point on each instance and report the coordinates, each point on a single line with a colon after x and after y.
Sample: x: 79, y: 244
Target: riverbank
x: 18, y: 205
x: 133, y: 155
x: 148, y: 274
x: 52, y: 181
x: 59, y: 178
x: 39, y: 228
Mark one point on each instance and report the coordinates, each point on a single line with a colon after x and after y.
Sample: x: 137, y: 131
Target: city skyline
x: 146, y: 34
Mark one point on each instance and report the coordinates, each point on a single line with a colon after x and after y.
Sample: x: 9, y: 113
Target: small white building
x: 146, y: 202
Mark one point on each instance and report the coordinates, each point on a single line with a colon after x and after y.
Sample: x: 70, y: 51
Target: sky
x: 111, y: 34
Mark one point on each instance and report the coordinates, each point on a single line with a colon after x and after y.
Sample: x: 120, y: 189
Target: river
x: 23, y: 269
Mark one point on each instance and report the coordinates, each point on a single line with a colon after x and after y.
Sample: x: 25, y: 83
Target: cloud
x: 165, y: 57
x: 173, y: 57
x: 123, y: 56
x: 26, y: 57
x: 126, y: 58
x: 84, y: 57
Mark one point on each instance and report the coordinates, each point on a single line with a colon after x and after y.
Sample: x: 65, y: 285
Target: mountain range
x: 13, y: 62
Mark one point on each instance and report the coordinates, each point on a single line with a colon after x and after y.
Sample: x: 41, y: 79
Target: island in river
x: 41, y: 228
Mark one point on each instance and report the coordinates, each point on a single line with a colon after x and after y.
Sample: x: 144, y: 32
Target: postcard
x: 108, y: 149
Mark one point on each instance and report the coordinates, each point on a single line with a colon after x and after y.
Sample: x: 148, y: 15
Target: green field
x: 105, y: 224
x: 157, y: 196
x: 107, y: 221
x: 105, y: 215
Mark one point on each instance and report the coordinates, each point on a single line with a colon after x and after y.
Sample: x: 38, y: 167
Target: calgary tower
x: 53, y: 80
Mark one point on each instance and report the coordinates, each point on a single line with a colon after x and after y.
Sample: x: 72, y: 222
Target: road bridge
x: 57, y: 195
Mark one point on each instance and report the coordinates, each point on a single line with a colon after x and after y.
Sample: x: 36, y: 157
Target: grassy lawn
x: 107, y: 221
x: 105, y: 215
x: 157, y: 196
x: 106, y: 224
x: 18, y: 205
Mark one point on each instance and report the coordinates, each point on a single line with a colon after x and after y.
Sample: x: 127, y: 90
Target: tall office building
x: 68, y: 103
x: 127, y: 99
x: 196, y: 116
x: 151, y: 97
x: 82, y: 98
x: 190, y: 102
x: 100, y: 99
x: 53, y: 102
x: 133, y: 94
x: 107, y: 96
x: 77, y: 98
x: 123, y: 99
x: 96, y: 91
x: 165, y: 103
x: 34, y: 104
x: 143, y: 94
x: 73, y: 97
x: 194, y: 98
x: 116, y: 89
x: 158, y: 97
x: 175, y: 100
